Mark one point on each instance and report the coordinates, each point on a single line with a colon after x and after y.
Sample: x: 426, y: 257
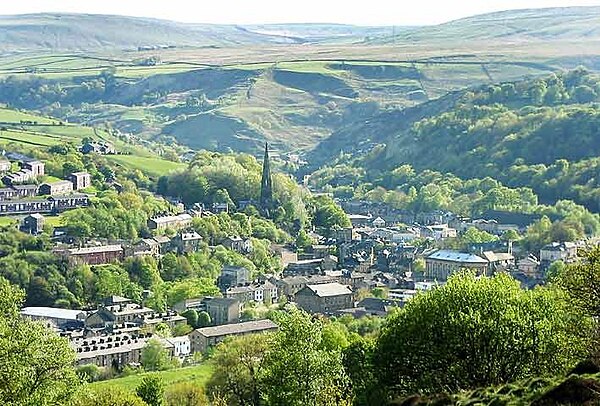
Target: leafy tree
x: 35, y: 364
x: 239, y: 367
x: 298, y: 369
x: 191, y: 316
x: 476, y: 332
x: 151, y: 390
x: 154, y: 356
x: 357, y: 359
x: 581, y: 281
x: 204, y: 319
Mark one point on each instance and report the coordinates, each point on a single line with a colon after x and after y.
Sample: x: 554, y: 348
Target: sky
x: 359, y: 12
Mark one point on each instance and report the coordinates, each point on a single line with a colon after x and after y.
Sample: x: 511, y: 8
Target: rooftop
x: 237, y: 328
x: 455, y: 256
x: 52, y: 313
x: 91, y: 250
x: 330, y: 289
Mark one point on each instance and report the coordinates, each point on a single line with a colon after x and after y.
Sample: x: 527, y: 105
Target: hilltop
x: 95, y: 33
x: 549, y: 24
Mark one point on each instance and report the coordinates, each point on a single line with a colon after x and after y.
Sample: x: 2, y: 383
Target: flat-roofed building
x: 103, y: 254
x: 204, y: 338
x: 174, y: 222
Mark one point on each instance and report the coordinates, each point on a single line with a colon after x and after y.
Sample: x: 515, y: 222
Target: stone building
x: 324, y: 298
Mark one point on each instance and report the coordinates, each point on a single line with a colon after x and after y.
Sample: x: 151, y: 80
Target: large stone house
x: 324, y: 298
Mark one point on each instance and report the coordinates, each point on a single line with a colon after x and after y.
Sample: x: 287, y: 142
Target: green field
x: 198, y: 375
x: 149, y: 165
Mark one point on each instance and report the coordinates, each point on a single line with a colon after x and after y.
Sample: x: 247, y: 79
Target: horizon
x: 266, y: 12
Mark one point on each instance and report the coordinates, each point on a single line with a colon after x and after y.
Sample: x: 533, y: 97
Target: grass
x: 14, y: 116
x: 7, y: 221
x: 149, y: 165
x: 198, y: 375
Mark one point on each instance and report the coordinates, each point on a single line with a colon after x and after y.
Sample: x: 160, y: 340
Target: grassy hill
x: 298, y: 86
x: 92, y: 32
x: 19, y: 128
x: 551, y: 24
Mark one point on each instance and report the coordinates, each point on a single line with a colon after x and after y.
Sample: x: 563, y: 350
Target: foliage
x: 107, y: 397
x: 154, y: 356
x: 151, y: 390
x: 581, y: 281
x: 35, y: 364
x: 239, y: 368
x: 476, y: 332
x: 299, y: 370
x: 185, y: 394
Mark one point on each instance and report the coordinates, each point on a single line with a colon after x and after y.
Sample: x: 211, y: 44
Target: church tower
x: 266, y: 185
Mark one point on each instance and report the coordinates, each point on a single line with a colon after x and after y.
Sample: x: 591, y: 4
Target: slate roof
x: 51, y: 313
x: 330, y: 289
x: 455, y: 256
x: 237, y: 328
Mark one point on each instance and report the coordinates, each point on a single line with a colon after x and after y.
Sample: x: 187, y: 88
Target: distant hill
x: 92, y: 32
x: 565, y: 24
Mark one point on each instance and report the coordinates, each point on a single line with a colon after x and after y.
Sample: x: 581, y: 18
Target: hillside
x: 541, y: 133
x: 550, y: 24
x: 298, y: 86
x: 91, y: 32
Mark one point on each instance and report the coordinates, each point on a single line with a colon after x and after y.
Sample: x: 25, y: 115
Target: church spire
x: 266, y: 185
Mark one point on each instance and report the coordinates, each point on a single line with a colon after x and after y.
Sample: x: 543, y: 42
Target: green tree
x: 191, y: 316
x: 36, y: 365
x: 298, y: 369
x: 151, y: 390
x: 154, y: 356
x: 204, y: 319
x: 238, y: 373
x: 476, y: 332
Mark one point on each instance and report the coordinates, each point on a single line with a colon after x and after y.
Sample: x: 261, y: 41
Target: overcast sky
x: 361, y: 12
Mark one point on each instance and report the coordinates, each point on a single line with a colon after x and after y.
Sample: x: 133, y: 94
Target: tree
x: 191, y: 316
x: 476, y: 332
x: 298, y: 369
x: 238, y: 373
x: 151, y: 390
x: 36, y: 365
x: 581, y: 281
x: 204, y: 319
x: 357, y: 359
x: 154, y: 356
